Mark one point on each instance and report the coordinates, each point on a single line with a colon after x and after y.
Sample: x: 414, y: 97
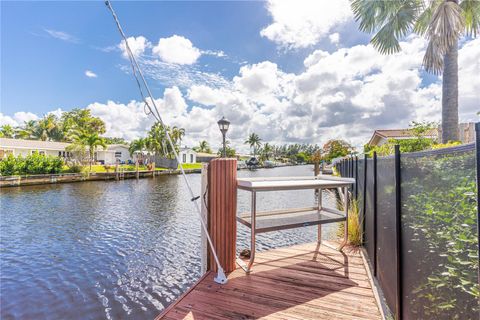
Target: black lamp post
x: 223, y: 125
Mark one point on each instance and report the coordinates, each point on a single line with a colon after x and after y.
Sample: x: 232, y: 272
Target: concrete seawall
x: 28, y: 180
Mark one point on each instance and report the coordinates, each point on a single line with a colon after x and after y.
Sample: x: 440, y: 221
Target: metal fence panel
x: 439, y: 235
x: 369, y: 210
x: 386, y: 235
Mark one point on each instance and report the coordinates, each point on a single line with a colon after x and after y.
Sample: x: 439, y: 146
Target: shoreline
x: 30, y: 180
x: 40, y: 179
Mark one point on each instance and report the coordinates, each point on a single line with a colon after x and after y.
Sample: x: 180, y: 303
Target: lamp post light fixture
x: 223, y: 125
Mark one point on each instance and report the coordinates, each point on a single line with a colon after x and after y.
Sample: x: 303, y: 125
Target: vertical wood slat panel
x: 222, y: 199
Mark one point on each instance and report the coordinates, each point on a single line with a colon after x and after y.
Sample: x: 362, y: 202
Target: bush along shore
x: 41, y: 169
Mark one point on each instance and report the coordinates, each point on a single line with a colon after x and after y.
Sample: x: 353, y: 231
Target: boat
x: 269, y: 164
x: 252, y: 163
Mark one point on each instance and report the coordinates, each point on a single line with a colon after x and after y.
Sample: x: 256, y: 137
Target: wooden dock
x: 286, y: 283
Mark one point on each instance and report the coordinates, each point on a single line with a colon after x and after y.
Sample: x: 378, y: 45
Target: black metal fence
x: 420, y: 230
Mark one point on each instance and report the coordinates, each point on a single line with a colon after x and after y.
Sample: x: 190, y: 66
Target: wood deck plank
x: 286, y: 283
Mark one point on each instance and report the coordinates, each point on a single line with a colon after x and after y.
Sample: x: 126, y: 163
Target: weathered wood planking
x: 222, y: 207
x: 286, y: 283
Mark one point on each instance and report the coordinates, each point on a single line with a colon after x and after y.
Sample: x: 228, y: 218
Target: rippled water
x: 119, y: 250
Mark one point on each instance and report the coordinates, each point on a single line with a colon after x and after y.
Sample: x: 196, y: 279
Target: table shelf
x: 267, y: 221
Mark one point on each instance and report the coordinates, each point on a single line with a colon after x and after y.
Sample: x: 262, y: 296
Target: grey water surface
x: 116, y: 250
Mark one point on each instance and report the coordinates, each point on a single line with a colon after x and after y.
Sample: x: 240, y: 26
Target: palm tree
x: 159, y: 142
x: 86, y: 141
x: 7, y: 131
x: 28, y: 130
x: 46, y: 127
x: 137, y: 145
x: 267, y: 151
x: 203, y: 146
x: 442, y: 22
x: 254, y: 142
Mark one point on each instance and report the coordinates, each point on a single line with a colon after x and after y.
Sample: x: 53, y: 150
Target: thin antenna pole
x: 220, y: 278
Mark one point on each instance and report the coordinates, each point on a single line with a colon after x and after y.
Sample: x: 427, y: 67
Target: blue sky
x: 277, y: 68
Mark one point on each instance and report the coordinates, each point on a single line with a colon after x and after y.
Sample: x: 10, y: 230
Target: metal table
x: 267, y: 221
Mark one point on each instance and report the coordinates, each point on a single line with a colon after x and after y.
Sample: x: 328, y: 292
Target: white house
x: 52, y: 148
x: 187, y: 155
x: 113, y: 153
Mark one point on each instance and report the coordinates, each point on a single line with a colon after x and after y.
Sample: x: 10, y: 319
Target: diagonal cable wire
x: 220, y: 278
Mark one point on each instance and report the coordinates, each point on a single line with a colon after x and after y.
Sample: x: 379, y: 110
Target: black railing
x: 420, y: 226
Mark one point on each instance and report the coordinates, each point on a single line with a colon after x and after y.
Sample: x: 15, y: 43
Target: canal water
x: 116, y: 250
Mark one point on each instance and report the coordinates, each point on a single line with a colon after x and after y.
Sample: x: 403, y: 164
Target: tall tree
x: 137, y: 145
x: 336, y: 148
x: 48, y: 128
x: 7, y: 131
x: 254, y: 142
x: 81, y: 119
x: 27, y: 131
x: 266, y: 151
x: 158, y: 141
x: 203, y: 146
x: 85, y: 141
x: 442, y: 22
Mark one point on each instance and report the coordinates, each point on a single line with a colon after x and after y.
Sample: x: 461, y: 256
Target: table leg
x: 345, y: 209
x: 319, y: 231
x: 252, y: 231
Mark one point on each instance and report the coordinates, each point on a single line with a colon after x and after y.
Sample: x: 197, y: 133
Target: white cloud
x: 344, y: 94
x: 137, y: 45
x: 61, y: 35
x: 176, y: 49
x: 18, y: 119
x: 334, y: 38
x: 7, y: 120
x: 90, y: 74
x: 216, y: 53
x: 302, y: 23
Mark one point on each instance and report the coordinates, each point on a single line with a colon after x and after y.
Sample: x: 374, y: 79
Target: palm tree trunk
x: 450, y: 96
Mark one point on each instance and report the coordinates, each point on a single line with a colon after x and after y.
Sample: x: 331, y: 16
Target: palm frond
x: 471, y: 16
x: 368, y: 13
x: 424, y: 18
x: 392, y: 19
x: 446, y: 26
x: 385, y: 41
x: 433, y: 59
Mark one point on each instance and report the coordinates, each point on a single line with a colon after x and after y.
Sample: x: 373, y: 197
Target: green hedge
x: 32, y: 164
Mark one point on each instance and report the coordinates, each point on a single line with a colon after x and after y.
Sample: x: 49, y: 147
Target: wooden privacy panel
x: 222, y: 211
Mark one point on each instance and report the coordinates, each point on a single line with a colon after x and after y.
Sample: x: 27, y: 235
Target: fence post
x: 352, y: 163
x: 356, y: 178
x: 374, y: 213
x: 364, y: 198
x: 398, y: 231
x: 477, y: 157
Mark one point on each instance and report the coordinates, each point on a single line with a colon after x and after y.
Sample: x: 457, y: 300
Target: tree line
x: 304, y: 153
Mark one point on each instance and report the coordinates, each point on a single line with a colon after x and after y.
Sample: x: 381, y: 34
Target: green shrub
x: 32, y: 164
x: 7, y: 165
x: 75, y: 168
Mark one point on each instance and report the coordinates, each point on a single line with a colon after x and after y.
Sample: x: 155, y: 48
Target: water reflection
x: 113, y: 250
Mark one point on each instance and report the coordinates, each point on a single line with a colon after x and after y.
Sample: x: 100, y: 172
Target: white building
x: 187, y: 155
x: 25, y: 147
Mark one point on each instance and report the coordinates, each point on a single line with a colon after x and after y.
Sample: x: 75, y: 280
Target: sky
x: 290, y: 71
